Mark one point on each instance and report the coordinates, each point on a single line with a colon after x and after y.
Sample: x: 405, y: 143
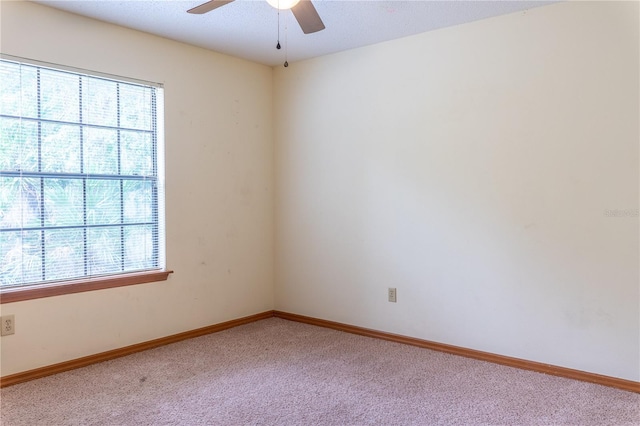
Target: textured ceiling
x: 249, y: 28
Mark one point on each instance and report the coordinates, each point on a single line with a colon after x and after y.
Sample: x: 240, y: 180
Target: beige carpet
x: 276, y: 372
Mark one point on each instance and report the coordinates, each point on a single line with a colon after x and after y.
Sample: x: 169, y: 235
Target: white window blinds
x: 81, y: 175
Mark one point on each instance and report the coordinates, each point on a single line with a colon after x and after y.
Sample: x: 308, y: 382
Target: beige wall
x: 471, y: 168
x: 219, y: 193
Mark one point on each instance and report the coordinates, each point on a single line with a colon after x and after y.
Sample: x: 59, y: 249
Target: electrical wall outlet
x: 8, y: 325
x: 392, y: 295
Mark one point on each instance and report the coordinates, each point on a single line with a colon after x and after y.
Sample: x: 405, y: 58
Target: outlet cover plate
x: 8, y: 325
x: 393, y: 295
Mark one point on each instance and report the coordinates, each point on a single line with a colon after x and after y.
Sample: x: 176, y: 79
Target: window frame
x: 91, y: 283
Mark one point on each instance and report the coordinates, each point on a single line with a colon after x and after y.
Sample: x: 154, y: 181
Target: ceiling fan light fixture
x: 283, y: 4
x: 304, y: 12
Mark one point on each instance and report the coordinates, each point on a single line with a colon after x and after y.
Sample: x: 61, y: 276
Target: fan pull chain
x: 286, y: 43
x: 278, y: 45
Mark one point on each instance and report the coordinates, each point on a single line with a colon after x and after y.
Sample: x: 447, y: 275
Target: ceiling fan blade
x: 208, y: 6
x: 307, y: 17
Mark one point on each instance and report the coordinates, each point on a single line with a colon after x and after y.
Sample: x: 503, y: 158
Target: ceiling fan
x: 303, y: 10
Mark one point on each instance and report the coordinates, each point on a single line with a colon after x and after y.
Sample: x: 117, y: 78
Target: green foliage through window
x: 80, y: 175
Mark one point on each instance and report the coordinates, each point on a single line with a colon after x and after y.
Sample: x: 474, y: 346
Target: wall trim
x: 37, y: 373
x: 614, y: 382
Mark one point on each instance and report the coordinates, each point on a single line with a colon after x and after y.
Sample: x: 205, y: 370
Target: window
x: 81, y: 176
